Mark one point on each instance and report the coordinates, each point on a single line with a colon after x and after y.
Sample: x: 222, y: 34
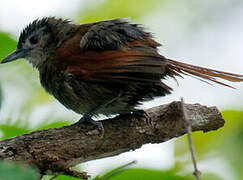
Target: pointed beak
x: 19, y: 53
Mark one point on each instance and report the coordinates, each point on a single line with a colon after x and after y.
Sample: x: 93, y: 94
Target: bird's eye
x: 34, y: 39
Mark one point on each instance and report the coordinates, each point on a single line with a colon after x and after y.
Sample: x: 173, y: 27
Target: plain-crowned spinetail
x: 107, y: 67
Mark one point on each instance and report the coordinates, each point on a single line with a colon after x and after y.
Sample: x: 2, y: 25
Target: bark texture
x: 58, y: 150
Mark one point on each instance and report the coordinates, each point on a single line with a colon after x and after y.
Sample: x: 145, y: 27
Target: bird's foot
x: 147, y: 119
x: 98, y: 124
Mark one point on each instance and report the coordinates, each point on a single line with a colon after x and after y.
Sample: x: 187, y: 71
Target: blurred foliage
x: 122, y: 173
x: 7, y: 45
x: 109, y: 9
x: 9, y: 131
x: 11, y: 171
x: 1, y: 96
x: 4, y: 50
x: 60, y: 177
x: 227, y: 143
x: 143, y: 174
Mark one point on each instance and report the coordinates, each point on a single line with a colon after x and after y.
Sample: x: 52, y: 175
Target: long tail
x: 176, y: 68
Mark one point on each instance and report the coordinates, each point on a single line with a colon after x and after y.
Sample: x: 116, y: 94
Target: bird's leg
x: 88, y: 116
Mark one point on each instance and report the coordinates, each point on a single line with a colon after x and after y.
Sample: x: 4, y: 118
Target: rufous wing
x: 112, y: 51
x: 117, y: 66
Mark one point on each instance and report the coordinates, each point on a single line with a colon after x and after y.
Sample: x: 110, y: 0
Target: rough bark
x: 57, y: 150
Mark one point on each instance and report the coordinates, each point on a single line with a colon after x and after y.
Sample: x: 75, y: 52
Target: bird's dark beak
x: 19, y: 53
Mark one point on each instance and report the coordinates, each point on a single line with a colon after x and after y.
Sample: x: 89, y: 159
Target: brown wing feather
x: 124, y: 66
x: 135, y: 60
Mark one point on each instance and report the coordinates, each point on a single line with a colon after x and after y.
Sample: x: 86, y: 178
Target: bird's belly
x: 83, y: 97
x: 86, y: 97
x: 73, y: 101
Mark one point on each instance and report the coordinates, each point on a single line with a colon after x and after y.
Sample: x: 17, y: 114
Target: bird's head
x: 39, y: 40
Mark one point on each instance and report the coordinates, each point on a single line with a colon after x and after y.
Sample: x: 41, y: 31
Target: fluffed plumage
x: 84, y: 66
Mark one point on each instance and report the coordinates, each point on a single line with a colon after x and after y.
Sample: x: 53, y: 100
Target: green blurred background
x: 202, y: 32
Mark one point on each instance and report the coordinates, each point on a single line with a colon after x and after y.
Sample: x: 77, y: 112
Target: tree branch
x: 57, y: 150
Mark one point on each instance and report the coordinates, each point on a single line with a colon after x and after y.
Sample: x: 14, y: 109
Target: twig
x: 188, y: 124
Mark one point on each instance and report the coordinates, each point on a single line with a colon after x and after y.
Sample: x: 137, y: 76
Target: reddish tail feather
x: 177, y: 68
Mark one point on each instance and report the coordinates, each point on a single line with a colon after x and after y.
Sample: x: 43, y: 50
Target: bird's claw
x: 95, y: 123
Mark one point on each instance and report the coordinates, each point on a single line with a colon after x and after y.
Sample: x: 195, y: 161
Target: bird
x: 107, y: 67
